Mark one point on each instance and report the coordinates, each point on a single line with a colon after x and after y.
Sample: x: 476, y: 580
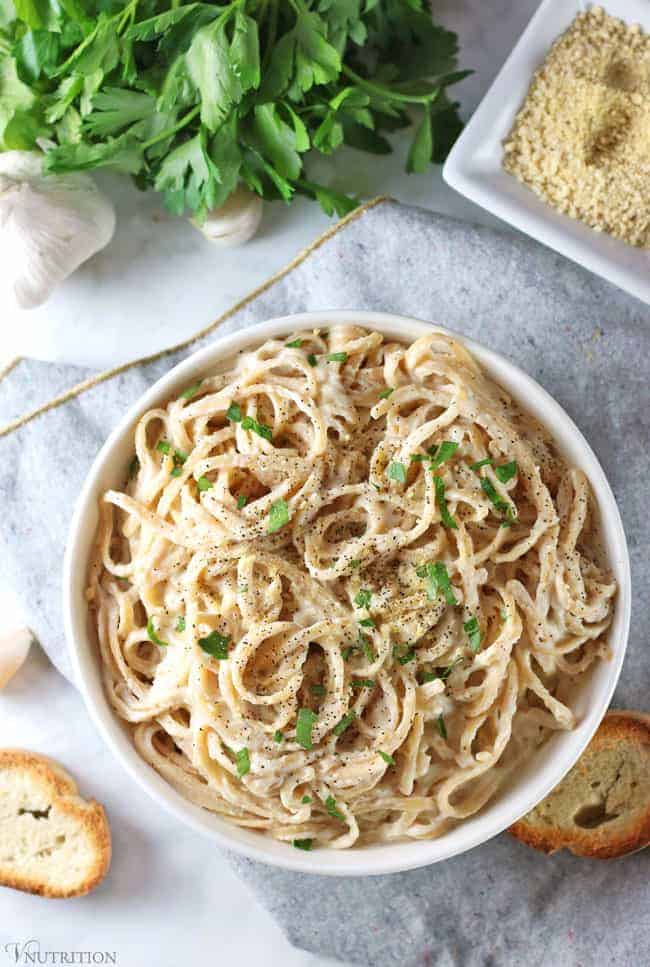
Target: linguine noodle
x: 347, y: 589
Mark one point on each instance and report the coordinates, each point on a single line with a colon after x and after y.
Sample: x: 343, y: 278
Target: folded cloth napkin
x: 589, y: 345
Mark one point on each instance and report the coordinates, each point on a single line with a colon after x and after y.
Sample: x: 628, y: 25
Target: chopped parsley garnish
x: 506, y: 471
x: 481, y: 463
x: 346, y: 652
x: 204, y: 484
x: 180, y: 624
x: 473, y: 631
x: 242, y: 589
x: 278, y: 515
x: 425, y: 677
x: 305, y: 800
x: 233, y: 413
x: 191, y: 391
x: 397, y: 471
x: 386, y: 757
x: 362, y: 683
x: 305, y: 844
x: 243, y: 762
x: 345, y: 722
x: 444, y: 452
x: 354, y: 563
x: 304, y: 725
x: 403, y: 654
x: 442, y: 728
x: 437, y: 581
x: 295, y: 344
x: 330, y: 806
x: 385, y: 393
x: 151, y: 633
x: 134, y: 466
x: 317, y: 689
x: 363, y: 642
x: 504, y: 615
x: 179, y: 459
x: 367, y: 623
x: 441, y: 501
x: 163, y: 446
x: 262, y: 430
x: 337, y: 357
x: 501, y: 505
x: 216, y: 645
x: 311, y: 359
x: 278, y: 737
x: 363, y: 598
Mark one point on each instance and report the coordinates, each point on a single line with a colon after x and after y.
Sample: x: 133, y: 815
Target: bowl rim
x: 362, y: 861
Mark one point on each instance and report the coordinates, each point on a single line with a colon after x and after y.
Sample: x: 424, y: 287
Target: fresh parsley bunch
x: 192, y: 98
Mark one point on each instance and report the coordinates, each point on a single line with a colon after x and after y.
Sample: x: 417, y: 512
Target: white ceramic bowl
x: 542, y: 772
x: 474, y: 165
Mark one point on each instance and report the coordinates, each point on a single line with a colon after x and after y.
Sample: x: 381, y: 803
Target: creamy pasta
x: 348, y: 586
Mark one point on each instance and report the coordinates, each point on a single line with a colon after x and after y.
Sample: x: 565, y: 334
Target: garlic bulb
x: 236, y: 221
x: 14, y: 646
x: 49, y: 225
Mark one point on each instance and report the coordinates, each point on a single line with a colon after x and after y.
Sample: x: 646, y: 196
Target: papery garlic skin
x: 236, y: 221
x: 14, y: 646
x: 49, y: 225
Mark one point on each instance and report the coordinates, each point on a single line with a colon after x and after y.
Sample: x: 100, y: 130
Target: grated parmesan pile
x: 581, y: 140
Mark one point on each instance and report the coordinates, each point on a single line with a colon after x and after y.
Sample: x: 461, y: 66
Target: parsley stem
x: 388, y: 92
x: 170, y: 131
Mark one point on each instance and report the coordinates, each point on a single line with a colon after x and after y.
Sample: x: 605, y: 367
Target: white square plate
x: 474, y: 166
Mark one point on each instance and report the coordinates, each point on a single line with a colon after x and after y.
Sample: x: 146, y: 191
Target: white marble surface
x: 170, y: 898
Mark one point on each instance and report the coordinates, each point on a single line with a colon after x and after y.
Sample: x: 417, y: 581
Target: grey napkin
x: 589, y: 345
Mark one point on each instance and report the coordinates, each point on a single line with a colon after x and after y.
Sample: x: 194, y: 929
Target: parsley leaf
x: 233, y: 413
x: 204, y: 484
x: 473, y: 631
x: 304, y: 725
x: 363, y: 598
x: 215, y: 645
x: 397, y: 471
x: 388, y: 759
x: 305, y: 844
x: 437, y: 581
x: 278, y: 515
x: 151, y: 633
x: 441, y: 501
x: 243, y: 762
x: 331, y: 807
x: 442, y: 728
x: 506, y: 471
x: 385, y: 393
x: 345, y: 722
x: 337, y: 357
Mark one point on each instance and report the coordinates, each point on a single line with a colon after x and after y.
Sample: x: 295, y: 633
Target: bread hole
x: 591, y: 816
x: 36, y: 813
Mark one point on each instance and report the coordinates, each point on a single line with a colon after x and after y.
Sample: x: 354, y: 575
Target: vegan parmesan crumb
x: 581, y: 140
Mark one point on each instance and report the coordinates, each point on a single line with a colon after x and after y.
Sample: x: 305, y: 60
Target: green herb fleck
x: 442, y: 728
x: 504, y: 614
x: 233, y: 413
x: 191, y: 391
x: 473, y: 631
x: 204, y: 484
x: 311, y: 359
x: 403, y: 654
x: 305, y: 844
x: 242, y: 500
x: 180, y: 624
x: 304, y: 725
x: 501, y: 505
x: 345, y: 722
x: 151, y: 632
x: 337, y: 357
x: 385, y: 393
x: 295, y: 344
x: 278, y: 737
x: 216, y: 645
x: 444, y: 452
x: 441, y: 501
x: 362, y: 683
x: 363, y: 598
x: 397, y: 471
x: 354, y: 563
x: 243, y: 762
x: 163, y: 446
x: 262, y: 430
x: 305, y: 800
x: 278, y: 515
x: 481, y: 463
x: 330, y: 806
x: 506, y: 471
x: 367, y: 623
x: 437, y: 581
x: 388, y: 759
x: 363, y: 642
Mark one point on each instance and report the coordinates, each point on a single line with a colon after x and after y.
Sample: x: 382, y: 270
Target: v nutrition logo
x: 29, y: 952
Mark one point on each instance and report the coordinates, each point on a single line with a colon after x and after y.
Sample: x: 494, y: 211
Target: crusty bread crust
x: 62, y: 794
x: 619, y: 727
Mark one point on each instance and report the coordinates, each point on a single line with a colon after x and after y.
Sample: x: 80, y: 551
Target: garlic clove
x: 14, y: 646
x: 49, y: 225
x: 236, y: 221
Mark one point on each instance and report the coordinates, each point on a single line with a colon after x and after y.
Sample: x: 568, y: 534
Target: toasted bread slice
x: 52, y: 842
x: 602, y: 807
